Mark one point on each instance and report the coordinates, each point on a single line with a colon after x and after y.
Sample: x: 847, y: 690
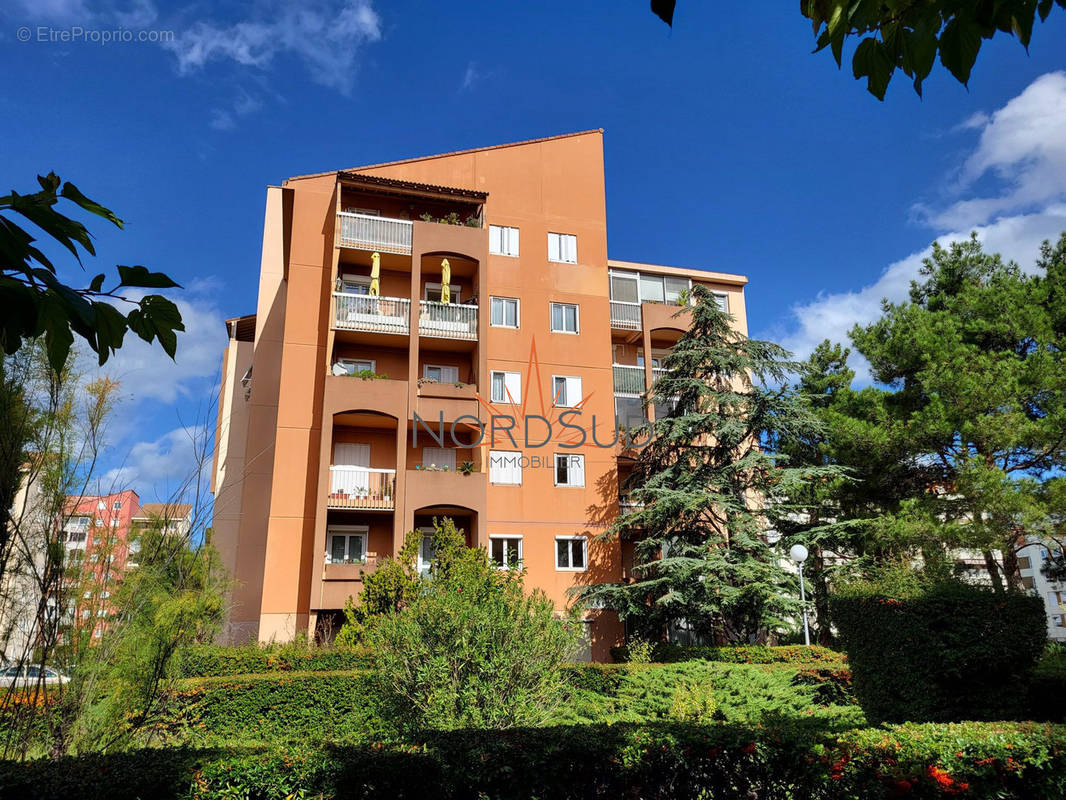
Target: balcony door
x: 351, y: 463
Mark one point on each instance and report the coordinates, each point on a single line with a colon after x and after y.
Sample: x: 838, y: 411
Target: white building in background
x: 1031, y: 560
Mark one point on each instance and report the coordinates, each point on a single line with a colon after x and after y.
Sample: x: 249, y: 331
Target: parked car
x: 30, y: 675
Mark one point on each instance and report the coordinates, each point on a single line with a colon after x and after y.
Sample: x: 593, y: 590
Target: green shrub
x: 743, y: 693
x: 1047, y: 691
x: 1002, y: 760
x: 939, y: 652
x: 472, y: 649
x: 216, y: 660
x: 744, y: 654
x: 289, y: 707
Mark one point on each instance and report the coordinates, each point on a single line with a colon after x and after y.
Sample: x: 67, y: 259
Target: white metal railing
x: 628, y: 379
x: 361, y: 487
x: 625, y: 315
x: 657, y: 372
x: 367, y: 232
x: 362, y: 312
x: 447, y: 320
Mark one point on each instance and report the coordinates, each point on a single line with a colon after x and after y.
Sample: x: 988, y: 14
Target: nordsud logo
x: 512, y: 425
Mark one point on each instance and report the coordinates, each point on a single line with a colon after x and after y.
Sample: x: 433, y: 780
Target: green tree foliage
x: 472, y: 648
x: 706, y: 484
x: 175, y: 597
x: 975, y: 363
x: 34, y: 302
x: 908, y: 35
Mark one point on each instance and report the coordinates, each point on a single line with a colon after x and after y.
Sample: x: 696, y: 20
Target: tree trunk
x: 993, y: 570
x: 1010, y: 566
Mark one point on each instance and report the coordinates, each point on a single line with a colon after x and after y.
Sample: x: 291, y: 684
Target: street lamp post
x: 798, y: 553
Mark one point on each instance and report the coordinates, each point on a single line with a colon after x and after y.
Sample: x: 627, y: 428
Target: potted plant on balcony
x: 466, y: 468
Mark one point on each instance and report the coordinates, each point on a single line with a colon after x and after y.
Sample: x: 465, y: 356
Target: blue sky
x: 728, y: 145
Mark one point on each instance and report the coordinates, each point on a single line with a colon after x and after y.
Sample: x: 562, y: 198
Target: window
x: 570, y: 553
x: 427, y: 551
x: 651, y: 289
x: 100, y: 505
x: 628, y: 411
x: 503, y: 312
x: 99, y: 522
x: 438, y: 457
x: 369, y: 212
x: 433, y: 292
x: 506, y: 387
x: 569, y: 469
x: 674, y: 287
x: 347, y: 545
x: 505, y: 467
x: 624, y: 287
x: 562, y: 247
x: 116, y: 506
x: 440, y: 374
x: 723, y: 301
x: 503, y: 241
x: 355, y: 284
x: 114, y: 522
x: 351, y: 366
x: 566, y: 392
x: 564, y: 318
x: 506, y: 551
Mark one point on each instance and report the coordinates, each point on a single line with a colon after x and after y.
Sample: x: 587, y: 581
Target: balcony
x: 362, y: 487
x: 657, y: 372
x: 625, y: 316
x: 448, y: 320
x: 367, y: 232
x: 361, y: 312
x: 628, y: 379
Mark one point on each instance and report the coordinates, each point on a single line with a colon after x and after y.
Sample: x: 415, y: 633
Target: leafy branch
x: 34, y: 302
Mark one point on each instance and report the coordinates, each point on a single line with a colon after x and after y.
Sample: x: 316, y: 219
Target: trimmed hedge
x: 742, y: 654
x: 215, y: 660
x: 941, y: 653
x: 658, y: 762
x: 291, y: 707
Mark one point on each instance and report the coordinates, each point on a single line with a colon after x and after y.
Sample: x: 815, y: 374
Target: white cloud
x: 325, y: 35
x: 831, y: 316
x: 145, y: 372
x: 165, y: 469
x: 223, y: 119
x: 1023, y: 149
x: 1022, y: 144
x: 134, y: 14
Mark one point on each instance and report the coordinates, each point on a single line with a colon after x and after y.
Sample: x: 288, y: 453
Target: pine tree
x: 707, y: 485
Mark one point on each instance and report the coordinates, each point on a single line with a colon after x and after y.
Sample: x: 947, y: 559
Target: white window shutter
x: 577, y: 471
x: 571, y: 249
x: 573, y: 391
x: 449, y: 374
x: 553, y: 247
x: 512, y: 241
x: 513, y: 382
x: 495, y: 239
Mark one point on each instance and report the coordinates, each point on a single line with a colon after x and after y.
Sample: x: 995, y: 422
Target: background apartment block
x: 450, y: 288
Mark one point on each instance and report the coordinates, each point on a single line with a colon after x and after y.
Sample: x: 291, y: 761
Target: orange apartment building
x: 469, y: 294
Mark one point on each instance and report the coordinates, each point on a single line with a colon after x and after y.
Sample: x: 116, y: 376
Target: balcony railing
x: 448, y: 320
x: 361, y: 487
x: 657, y: 372
x: 366, y: 232
x: 625, y: 315
x: 628, y: 379
x: 361, y: 312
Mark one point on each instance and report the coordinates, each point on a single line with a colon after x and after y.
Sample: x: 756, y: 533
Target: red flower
x: 901, y: 787
x: 941, y: 776
x: 748, y: 748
